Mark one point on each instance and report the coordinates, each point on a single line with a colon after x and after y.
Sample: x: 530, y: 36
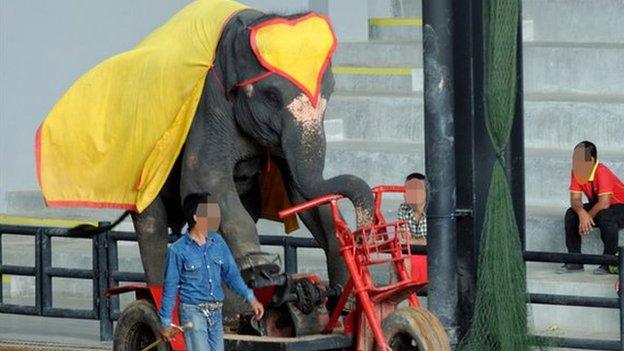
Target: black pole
x: 45, y: 262
x: 101, y: 281
x: 290, y: 259
x: 440, y: 160
x: 515, y: 150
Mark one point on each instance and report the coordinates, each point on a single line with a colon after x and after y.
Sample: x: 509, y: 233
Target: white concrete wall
x: 47, y: 45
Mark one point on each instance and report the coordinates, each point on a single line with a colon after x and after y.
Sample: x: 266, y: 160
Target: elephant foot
x: 260, y: 269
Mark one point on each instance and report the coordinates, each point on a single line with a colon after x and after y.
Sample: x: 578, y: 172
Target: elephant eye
x: 273, y: 98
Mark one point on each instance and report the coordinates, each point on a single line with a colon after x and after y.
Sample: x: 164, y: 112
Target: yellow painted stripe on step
x: 6, y: 279
x: 373, y: 71
x: 43, y: 222
x: 396, y: 22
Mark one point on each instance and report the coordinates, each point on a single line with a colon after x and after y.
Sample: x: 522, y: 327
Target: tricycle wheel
x: 137, y: 327
x: 413, y: 328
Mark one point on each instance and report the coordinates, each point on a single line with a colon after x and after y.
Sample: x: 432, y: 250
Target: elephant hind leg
x: 152, y: 233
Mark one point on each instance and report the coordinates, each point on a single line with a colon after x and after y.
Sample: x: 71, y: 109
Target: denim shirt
x: 195, y: 272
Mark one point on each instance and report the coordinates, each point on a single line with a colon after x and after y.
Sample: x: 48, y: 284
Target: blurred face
x: 582, y: 164
x: 207, y: 217
x: 416, y: 194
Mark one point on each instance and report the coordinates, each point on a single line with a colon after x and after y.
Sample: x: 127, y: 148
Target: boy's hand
x: 258, y: 309
x: 167, y: 334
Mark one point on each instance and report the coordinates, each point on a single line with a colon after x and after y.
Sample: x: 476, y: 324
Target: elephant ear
x: 299, y: 50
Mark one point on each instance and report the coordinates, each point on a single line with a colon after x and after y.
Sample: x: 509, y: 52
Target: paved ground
x: 67, y: 333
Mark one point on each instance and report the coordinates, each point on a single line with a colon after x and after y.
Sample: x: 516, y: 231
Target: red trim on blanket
x: 92, y: 204
x: 38, y: 155
x: 254, y: 79
x: 218, y: 79
x: 313, y: 96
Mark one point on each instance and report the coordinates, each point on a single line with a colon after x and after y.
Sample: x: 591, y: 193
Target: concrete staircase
x: 574, y: 90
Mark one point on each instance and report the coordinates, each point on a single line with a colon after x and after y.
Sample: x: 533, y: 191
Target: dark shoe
x: 570, y: 268
x: 602, y: 270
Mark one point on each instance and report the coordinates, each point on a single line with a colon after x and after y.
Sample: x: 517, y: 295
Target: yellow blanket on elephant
x: 114, y: 136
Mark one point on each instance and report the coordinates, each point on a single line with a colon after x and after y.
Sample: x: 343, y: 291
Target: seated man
x: 605, y: 207
x: 412, y: 211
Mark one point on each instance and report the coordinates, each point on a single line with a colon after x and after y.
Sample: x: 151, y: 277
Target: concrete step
x: 560, y: 120
x: 601, y: 20
x: 410, y: 28
x: 379, y: 116
x: 375, y: 162
x: 585, y: 68
x: 600, y: 323
x: 545, y: 231
x: 547, y: 170
x: 379, y: 54
x: 390, y: 28
x: 576, y: 20
x: 378, y: 79
x: 551, y: 120
x: 592, y: 68
x: 394, y: 8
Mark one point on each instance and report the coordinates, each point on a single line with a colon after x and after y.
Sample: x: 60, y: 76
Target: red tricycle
x: 296, y: 314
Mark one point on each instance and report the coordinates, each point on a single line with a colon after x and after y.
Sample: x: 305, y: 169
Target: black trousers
x: 609, y: 221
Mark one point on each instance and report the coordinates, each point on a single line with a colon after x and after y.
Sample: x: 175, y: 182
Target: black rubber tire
x: 137, y: 327
x: 412, y: 328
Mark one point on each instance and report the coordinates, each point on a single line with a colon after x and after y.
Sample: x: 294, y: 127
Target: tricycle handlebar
x: 308, y: 205
x: 389, y: 189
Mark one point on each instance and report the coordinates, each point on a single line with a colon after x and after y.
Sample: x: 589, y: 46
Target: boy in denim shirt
x: 197, y: 264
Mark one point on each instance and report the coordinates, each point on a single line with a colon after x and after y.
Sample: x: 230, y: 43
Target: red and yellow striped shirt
x: 601, y: 182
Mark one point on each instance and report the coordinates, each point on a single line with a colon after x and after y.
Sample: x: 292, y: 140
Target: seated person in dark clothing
x: 604, y: 209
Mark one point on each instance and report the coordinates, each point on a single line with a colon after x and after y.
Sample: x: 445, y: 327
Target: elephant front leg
x: 320, y: 223
x: 239, y: 231
x: 152, y: 235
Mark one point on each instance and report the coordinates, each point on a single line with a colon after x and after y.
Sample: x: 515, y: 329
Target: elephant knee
x: 240, y: 237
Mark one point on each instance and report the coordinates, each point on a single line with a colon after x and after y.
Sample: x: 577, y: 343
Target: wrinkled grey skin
x: 227, y: 147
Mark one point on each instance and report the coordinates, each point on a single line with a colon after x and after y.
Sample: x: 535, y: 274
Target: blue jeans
x: 207, y: 331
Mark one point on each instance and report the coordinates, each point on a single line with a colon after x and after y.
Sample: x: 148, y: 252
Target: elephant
x: 236, y: 128
x: 248, y: 117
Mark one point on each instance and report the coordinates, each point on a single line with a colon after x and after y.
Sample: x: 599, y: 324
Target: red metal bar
x: 308, y: 205
x: 333, y: 319
x: 356, y: 251
x: 378, y: 191
x: 389, y: 189
x: 365, y: 301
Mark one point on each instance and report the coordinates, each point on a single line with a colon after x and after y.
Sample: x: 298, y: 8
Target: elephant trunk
x: 304, y: 145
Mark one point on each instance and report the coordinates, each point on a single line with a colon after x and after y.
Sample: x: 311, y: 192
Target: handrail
x: 308, y: 205
x: 389, y: 189
x: 106, y: 275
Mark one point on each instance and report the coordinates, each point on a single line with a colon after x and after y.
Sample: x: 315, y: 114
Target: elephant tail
x: 88, y: 229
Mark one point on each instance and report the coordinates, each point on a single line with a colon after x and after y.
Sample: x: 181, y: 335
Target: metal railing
x: 105, y: 274
x: 582, y: 301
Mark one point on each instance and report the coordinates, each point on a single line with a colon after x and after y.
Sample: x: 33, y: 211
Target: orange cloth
x: 419, y: 269
x: 275, y: 198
